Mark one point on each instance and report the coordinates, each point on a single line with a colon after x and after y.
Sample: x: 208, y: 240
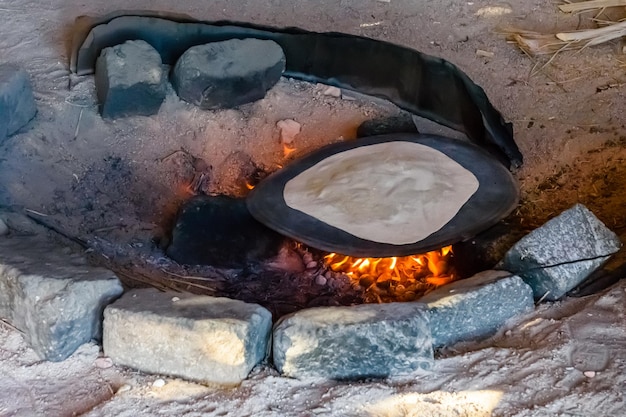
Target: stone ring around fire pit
x: 473, y: 192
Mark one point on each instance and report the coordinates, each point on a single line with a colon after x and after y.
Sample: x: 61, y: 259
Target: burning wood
x: 404, y: 278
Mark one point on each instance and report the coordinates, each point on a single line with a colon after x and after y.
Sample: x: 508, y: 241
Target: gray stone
x: 17, y: 104
x: 130, y: 80
x: 370, y: 340
x: 201, y: 338
x: 559, y: 255
x: 476, y: 307
x: 227, y: 74
x: 53, y: 297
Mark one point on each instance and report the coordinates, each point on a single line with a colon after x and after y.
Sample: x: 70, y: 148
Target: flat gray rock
x: 201, y: 338
x: 559, y: 255
x: 17, y: 104
x: 53, y: 297
x: 130, y: 80
x: 476, y: 307
x: 370, y: 340
x: 227, y: 74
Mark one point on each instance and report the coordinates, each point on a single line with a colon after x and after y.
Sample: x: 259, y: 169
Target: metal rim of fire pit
x: 496, y: 197
x: 428, y: 86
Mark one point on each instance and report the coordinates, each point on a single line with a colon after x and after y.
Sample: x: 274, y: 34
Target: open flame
x: 397, y: 278
x: 288, y: 149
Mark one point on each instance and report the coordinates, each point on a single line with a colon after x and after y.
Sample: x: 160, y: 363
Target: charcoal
x: 486, y: 249
x: 17, y: 104
x: 219, y: 231
x: 559, y: 255
x: 201, y: 338
x: 385, y: 125
x: 476, y: 307
x: 227, y: 74
x: 53, y: 297
x: 130, y: 80
x: 369, y: 340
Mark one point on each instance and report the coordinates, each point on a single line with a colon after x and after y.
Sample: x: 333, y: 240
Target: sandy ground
x: 119, y: 180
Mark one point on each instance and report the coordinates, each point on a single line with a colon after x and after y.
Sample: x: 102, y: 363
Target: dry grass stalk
x: 534, y: 43
x: 133, y: 278
x: 595, y: 36
x: 590, y: 5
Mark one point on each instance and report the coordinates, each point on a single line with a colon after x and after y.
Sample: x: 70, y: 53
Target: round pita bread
x: 394, y: 192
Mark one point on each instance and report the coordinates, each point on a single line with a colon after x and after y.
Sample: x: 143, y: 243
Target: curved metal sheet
x: 422, y: 84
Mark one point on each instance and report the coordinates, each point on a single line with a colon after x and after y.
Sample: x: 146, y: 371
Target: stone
x: 369, y: 340
x: 52, y: 296
x: 559, y: 255
x: 289, y: 129
x: 476, y: 307
x: 17, y: 104
x: 200, y: 338
x: 124, y: 388
x: 402, y: 123
x: 332, y: 91
x: 227, y: 74
x: 158, y: 383
x: 130, y: 80
x: 103, y: 362
x: 219, y: 231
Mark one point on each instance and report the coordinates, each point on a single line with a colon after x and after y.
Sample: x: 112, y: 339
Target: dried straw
x: 597, y: 36
x: 590, y: 5
x: 535, y: 43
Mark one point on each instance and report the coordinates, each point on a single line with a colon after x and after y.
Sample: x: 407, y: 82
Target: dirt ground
x: 122, y: 181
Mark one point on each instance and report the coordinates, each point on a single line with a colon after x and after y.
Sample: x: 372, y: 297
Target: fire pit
x: 307, y: 200
x: 131, y: 175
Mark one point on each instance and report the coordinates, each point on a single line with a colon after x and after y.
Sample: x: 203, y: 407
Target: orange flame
x: 397, y: 278
x: 287, y: 150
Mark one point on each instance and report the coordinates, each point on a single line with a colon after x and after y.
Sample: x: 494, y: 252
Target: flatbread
x: 394, y: 192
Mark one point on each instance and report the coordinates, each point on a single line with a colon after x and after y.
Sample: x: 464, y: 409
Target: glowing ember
x: 288, y: 150
x: 398, y: 278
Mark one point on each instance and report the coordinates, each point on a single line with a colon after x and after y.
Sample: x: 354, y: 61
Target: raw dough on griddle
x: 394, y: 192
